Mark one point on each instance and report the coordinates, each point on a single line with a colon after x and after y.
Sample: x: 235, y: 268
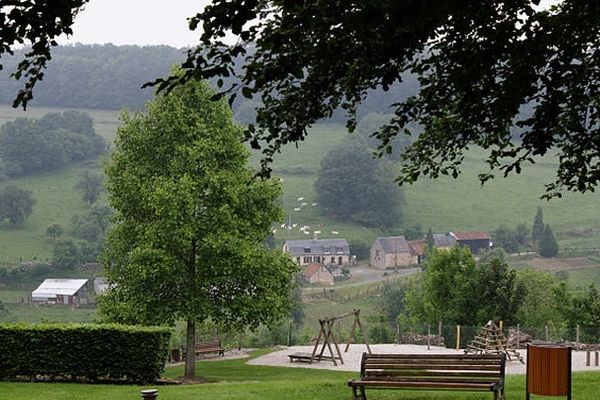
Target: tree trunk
x: 190, y: 340
x: 190, y: 345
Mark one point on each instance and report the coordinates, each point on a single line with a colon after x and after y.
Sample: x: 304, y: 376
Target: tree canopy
x: 479, y: 65
x: 353, y: 185
x: 190, y: 221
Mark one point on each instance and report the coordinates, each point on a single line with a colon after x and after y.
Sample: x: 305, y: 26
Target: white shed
x: 59, y: 291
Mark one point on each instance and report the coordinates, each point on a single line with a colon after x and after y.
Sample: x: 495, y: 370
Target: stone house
x: 315, y: 273
x: 320, y: 251
x: 392, y: 252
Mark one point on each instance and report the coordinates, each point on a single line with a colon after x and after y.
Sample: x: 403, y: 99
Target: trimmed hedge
x: 83, y: 352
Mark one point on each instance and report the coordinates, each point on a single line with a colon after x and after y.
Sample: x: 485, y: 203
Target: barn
x: 477, y: 241
x: 59, y: 291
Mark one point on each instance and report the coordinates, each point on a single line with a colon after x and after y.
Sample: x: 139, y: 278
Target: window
x: 307, y: 260
x: 377, y: 253
x: 317, y: 259
x: 307, y: 249
x: 340, y: 260
x: 298, y: 260
x: 333, y: 260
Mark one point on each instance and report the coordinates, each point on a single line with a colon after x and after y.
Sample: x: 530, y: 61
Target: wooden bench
x: 212, y: 346
x: 468, y: 372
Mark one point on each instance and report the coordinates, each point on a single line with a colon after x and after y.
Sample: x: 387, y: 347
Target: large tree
x: 485, y: 67
x: 190, y: 220
x: 90, y: 183
x: 16, y: 204
x: 353, y: 185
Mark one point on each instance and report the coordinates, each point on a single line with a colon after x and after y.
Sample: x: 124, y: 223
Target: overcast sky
x: 142, y: 22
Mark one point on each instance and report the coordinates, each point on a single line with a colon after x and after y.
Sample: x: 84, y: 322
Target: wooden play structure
x: 327, y: 335
x: 491, y: 340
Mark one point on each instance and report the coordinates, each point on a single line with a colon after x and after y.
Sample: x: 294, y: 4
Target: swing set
x: 326, y: 334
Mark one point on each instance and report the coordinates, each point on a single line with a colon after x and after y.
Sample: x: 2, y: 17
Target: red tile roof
x: 470, y: 235
x: 417, y: 246
x: 311, y: 269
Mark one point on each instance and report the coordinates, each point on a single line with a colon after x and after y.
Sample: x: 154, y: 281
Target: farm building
x: 100, y: 285
x: 440, y: 241
x: 443, y: 241
x: 59, y: 291
x: 392, y: 252
x: 317, y: 273
x: 417, y: 247
x: 320, y: 251
x: 476, y: 241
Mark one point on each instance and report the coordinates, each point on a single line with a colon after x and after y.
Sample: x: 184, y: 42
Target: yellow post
x: 457, y: 337
x: 501, y: 325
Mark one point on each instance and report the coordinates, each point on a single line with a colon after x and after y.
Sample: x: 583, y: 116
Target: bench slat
x: 474, y: 374
x: 433, y: 367
x: 445, y: 385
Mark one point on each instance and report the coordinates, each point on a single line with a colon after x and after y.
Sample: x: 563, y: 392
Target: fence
x: 457, y: 336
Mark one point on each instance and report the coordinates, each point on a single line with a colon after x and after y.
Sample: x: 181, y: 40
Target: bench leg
x: 356, y: 396
x: 499, y: 394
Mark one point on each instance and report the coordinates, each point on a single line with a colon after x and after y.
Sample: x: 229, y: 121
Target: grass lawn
x: 233, y: 379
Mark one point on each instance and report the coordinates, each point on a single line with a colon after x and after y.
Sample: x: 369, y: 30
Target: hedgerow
x: 88, y: 352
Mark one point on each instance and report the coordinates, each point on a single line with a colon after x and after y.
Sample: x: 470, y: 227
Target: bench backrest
x: 208, y: 345
x: 479, y: 368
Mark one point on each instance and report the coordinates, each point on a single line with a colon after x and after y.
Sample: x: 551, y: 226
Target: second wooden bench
x: 470, y: 372
x: 213, y: 346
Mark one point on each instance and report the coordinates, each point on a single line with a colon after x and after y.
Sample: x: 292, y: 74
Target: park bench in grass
x: 468, y: 372
x: 213, y: 346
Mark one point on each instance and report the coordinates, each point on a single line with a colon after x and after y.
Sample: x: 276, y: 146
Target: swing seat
x: 306, y: 357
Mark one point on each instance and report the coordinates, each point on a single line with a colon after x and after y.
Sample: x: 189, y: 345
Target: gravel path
x: 354, y: 354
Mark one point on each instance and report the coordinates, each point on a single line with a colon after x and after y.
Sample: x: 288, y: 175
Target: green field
x: 444, y: 205
x: 233, y: 379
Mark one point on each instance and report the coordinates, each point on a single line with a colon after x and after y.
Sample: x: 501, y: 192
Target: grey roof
x: 393, y: 244
x: 50, y: 288
x: 318, y: 246
x: 443, y: 240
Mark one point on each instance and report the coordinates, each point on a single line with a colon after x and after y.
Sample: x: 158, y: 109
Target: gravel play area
x: 354, y: 354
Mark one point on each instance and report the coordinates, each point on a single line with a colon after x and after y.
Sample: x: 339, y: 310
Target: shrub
x: 84, y: 352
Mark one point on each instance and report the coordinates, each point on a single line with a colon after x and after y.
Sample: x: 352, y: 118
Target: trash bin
x: 548, y: 370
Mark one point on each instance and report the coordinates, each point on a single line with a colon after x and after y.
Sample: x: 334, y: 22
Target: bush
x: 86, y: 352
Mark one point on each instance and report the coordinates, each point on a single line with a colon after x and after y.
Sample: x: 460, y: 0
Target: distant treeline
x: 110, y: 77
x: 30, y: 145
x: 94, y: 76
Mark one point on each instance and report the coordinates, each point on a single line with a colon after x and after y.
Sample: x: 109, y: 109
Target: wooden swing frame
x: 327, y: 335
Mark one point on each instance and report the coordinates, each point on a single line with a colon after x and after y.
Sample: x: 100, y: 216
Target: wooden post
x: 428, y: 336
x: 240, y: 342
x: 457, y: 337
x: 587, y: 358
x: 289, y: 338
x: 518, y: 335
x: 397, y: 333
x: 501, y: 325
x: 546, y: 330
x: 596, y: 358
x: 577, y: 336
